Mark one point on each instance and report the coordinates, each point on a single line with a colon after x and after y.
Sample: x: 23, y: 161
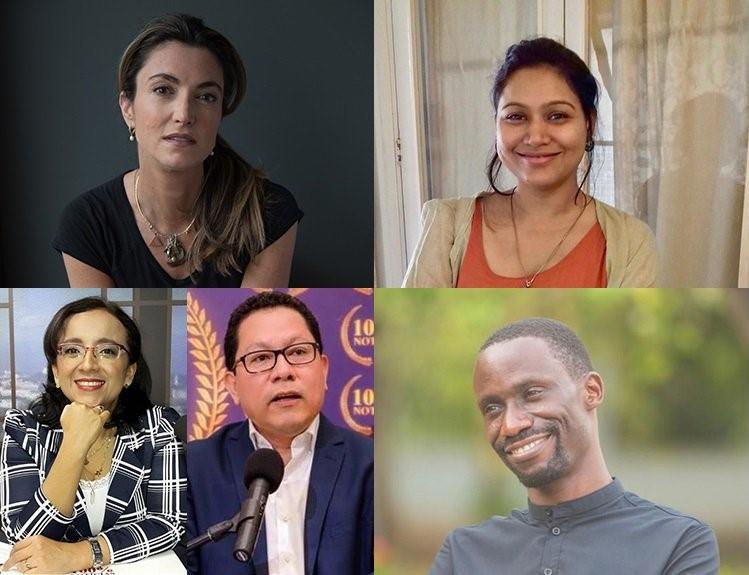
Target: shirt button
x: 285, y: 518
x: 547, y: 571
x: 556, y: 531
x: 287, y: 558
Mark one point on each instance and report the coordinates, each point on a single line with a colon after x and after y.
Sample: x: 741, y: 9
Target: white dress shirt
x: 285, y: 509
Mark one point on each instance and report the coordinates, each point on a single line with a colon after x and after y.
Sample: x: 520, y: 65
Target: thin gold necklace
x: 175, y: 252
x: 89, y: 457
x: 529, y: 282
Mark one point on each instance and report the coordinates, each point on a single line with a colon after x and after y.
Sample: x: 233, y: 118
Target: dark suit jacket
x: 339, y: 519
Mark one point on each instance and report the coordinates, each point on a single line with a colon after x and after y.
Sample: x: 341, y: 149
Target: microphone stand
x: 214, y: 533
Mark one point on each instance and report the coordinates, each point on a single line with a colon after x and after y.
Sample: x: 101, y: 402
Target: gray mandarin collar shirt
x: 610, y: 531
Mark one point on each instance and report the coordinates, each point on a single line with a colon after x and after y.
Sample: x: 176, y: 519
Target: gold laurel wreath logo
x: 346, y: 413
x: 213, y: 399
x: 346, y: 344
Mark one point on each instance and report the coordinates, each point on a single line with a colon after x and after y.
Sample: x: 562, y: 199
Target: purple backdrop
x: 347, y: 326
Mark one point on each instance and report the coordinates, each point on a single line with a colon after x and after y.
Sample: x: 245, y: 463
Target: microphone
x: 263, y: 473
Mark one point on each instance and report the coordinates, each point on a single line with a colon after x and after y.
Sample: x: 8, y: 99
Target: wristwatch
x: 96, y: 553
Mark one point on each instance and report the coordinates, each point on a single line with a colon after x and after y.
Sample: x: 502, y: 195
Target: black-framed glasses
x: 265, y: 359
x: 102, y: 351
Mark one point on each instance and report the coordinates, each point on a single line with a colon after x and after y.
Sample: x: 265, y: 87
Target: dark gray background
x: 307, y: 121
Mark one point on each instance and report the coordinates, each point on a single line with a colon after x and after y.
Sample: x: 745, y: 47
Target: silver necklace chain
x: 175, y: 252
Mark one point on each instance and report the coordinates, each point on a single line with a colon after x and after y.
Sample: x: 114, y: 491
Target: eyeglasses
x: 102, y: 351
x: 265, y: 359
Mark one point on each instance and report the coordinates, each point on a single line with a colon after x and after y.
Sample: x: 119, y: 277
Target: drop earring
x: 132, y: 134
x: 589, y: 145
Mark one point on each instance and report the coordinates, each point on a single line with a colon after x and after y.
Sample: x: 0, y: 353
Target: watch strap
x: 96, y: 553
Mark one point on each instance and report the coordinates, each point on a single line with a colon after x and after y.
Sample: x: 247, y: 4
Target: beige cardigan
x: 446, y: 224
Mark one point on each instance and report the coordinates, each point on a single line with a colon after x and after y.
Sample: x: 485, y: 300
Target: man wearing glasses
x: 320, y: 521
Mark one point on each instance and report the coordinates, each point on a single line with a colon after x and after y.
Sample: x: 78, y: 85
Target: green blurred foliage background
x: 676, y: 368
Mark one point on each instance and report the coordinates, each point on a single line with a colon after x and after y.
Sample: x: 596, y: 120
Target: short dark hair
x: 265, y: 300
x: 538, y: 52
x: 133, y: 401
x: 563, y: 342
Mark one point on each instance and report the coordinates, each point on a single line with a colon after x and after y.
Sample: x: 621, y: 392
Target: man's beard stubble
x: 554, y: 469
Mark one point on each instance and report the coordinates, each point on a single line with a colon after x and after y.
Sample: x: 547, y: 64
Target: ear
x: 230, y: 383
x: 591, y: 124
x: 126, y: 107
x: 325, y: 365
x: 593, y: 391
x: 54, y: 373
x: 130, y: 373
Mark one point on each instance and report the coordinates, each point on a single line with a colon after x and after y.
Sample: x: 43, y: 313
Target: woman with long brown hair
x: 193, y: 212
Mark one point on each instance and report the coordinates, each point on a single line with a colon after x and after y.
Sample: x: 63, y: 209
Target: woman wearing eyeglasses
x: 92, y: 473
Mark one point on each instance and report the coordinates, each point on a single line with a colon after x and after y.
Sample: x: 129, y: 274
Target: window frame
x: 401, y: 176
x: 162, y: 299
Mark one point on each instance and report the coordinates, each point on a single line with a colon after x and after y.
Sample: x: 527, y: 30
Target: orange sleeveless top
x: 584, y: 266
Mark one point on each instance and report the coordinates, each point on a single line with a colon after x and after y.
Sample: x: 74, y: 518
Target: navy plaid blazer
x: 146, y: 503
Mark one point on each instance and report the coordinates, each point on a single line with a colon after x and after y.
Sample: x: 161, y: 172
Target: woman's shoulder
x: 631, y: 254
x: 449, y: 209
x: 108, y: 192
x: 158, y: 416
x: 20, y: 419
x: 444, y: 223
x: 276, y: 192
x: 94, y: 224
x: 23, y: 427
x: 618, y: 221
x: 278, y: 199
x: 156, y: 426
x: 452, y: 203
x: 106, y: 200
x: 280, y: 210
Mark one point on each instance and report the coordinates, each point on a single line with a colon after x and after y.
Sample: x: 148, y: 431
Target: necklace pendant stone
x: 156, y: 242
x: 175, y: 251
x: 528, y: 283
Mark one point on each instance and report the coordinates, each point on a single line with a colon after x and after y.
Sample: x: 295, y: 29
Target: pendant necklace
x: 528, y: 280
x: 89, y: 457
x: 175, y: 252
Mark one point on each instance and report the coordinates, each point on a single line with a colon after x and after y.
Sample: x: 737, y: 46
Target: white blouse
x: 95, y: 499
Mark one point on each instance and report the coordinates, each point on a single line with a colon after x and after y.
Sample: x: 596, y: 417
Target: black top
x: 609, y: 531
x: 99, y: 229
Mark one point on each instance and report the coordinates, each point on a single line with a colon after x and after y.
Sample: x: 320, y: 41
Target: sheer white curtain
x: 681, y: 113
x: 463, y: 42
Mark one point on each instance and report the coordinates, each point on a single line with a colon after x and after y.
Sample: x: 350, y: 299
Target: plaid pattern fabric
x: 146, y: 503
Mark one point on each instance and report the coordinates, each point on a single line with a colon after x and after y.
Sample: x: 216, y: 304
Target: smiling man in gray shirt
x: 538, y: 396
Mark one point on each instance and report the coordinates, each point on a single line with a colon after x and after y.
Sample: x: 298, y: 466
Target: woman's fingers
x: 18, y: 554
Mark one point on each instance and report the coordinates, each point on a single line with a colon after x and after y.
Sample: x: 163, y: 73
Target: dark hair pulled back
x: 537, y: 52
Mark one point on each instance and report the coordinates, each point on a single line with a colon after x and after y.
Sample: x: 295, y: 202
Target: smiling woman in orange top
x: 546, y: 231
